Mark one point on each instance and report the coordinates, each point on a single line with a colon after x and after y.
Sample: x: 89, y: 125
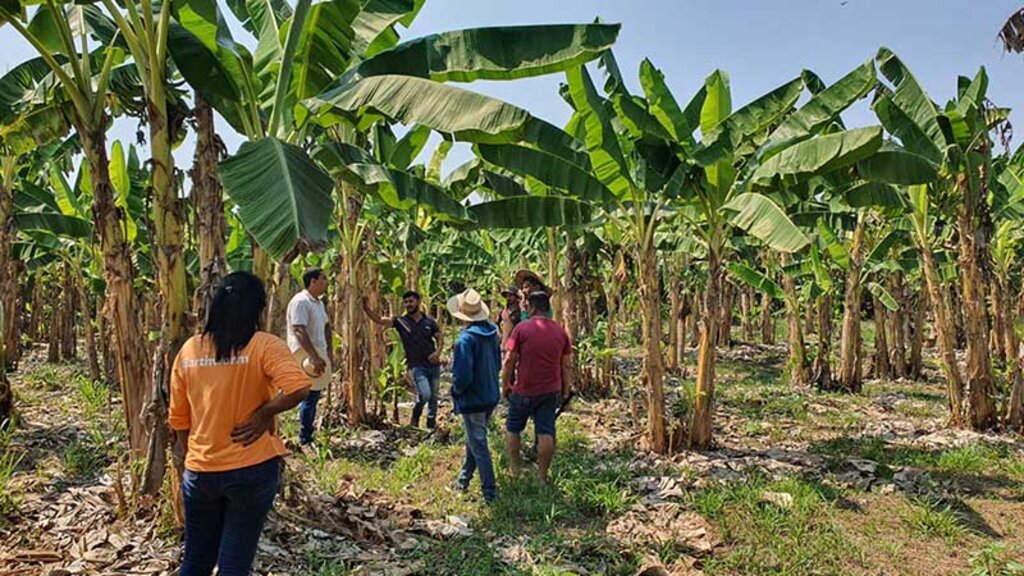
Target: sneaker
x: 459, y: 487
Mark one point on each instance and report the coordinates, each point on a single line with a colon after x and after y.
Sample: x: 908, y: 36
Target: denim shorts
x: 540, y: 408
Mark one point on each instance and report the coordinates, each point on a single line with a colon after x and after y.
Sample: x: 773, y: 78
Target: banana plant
x: 635, y: 173
x: 74, y: 74
x: 954, y: 142
x: 333, y: 66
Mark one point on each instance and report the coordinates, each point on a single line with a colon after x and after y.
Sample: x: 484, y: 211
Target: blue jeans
x: 307, y: 413
x: 427, y: 379
x: 224, y: 515
x: 478, y: 455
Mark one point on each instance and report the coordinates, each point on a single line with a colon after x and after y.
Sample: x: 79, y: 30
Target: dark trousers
x: 224, y: 516
x: 307, y: 414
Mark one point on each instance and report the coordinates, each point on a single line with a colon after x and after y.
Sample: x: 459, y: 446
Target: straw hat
x: 310, y: 370
x: 468, y: 306
x: 524, y: 275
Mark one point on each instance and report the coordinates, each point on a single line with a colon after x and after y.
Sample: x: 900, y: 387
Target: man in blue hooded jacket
x: 476, y: 361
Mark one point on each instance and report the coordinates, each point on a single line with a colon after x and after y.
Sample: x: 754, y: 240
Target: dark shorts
x: 540, y: 408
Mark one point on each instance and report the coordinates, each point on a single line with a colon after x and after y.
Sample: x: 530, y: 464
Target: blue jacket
x: 475, y: 366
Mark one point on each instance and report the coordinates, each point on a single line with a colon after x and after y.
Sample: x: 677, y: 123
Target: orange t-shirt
x: 210, y: 398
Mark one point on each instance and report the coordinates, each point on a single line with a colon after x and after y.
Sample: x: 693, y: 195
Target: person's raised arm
x: 374, y: 316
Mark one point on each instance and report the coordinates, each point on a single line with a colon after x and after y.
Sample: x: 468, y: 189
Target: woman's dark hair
x: 235, y: 313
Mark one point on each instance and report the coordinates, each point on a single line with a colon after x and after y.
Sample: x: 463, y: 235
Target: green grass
x: 83, y: 460
x: 94, y: 397
x: 993, y: 560
x: 326, y: 472
x: 934, y: 519
x: 45, y: 377
x: 471, y: 556
x: 763, y: 538
x: 969, y: 460
x: 318, y: 565
x: 9, y: 462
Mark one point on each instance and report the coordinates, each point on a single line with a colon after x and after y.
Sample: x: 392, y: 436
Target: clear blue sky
x: 761, y: 44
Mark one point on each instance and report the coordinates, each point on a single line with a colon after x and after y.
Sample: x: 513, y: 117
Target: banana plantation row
x: 668, y: 204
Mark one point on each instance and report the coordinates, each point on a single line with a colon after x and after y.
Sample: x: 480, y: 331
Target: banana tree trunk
x: 821, y: 373
x: 700, y: 430
x: 412, y: 270
x: 56, y: 326
x: 654, y: 369
x: 767, y: 322
x: 809, y: 326
x: 798, y: 366
x: 37, y: 315
x: 1007, y: 340
x: 209, y: 209
x: 998, y: 330
x: 354, y: 341
x: 746, y: 298
x: 279, y: 292
x: 692, y: 321
x: 883, y: 369
x: 608, y: 363
x: 898, y: 329
x: 169, y: 237
x: 956, y: 298
x: 945, y: 333
x: 850, y: 338
x: 556, y: 298
x: 105, y: 344
x: 916, y: 367
x: 569, y: 303
x: 674, y: 322
x: 1008, y: 336
x: 85, y: 302
x: 263, y: 268
x: 725, y: 323
x: 121, y: 302
x: 68, y: 348
x: 685, y: 313
x: 8, y: 278
x: 980, y: 386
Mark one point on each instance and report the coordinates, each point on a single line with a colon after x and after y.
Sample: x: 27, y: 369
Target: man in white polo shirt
x: 308, y: 333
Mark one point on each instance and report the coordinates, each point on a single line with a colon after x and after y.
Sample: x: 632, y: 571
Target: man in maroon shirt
x: 539, y: 362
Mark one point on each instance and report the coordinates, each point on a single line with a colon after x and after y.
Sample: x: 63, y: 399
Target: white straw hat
x: 468, y: 306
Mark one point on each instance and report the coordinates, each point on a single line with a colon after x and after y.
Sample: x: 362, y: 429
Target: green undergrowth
x: 768, y: 538
x: 976, y: 460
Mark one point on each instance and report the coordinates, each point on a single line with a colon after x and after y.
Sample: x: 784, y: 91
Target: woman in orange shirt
x: 227, y: 387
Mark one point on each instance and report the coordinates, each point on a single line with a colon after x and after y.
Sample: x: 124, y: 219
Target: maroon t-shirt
x: 541, y: 343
